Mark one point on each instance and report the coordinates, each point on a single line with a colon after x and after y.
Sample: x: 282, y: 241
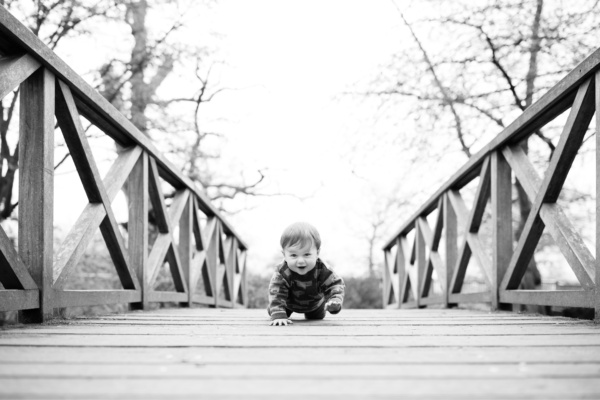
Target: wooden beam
x: 18, y: 300
x: 559, y: 298
x: 36, y: 186
x: 451, y: 231
x: 502, y: 234
x: 137, y: 226
x: 597, y: 258
x: 481, y: 297
x: 84, y: 298
x: 14, y: 70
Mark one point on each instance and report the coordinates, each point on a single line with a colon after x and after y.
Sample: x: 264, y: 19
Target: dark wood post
x: 451, y: 229
x: 185, y: 246
x: 138, y: 226
x: 420, y: 260
x: 36, y: 187
x: 597, y: 264
x: 502, y: 223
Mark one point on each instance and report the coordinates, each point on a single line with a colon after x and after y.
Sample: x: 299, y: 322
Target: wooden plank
x: 301, y: 356
x: 287, y: 340
x: 261, y: 327
x: 597, y: 261
x: 203, y: 299
x: 156, y: 197
x: 570, y: 141
x: 36, y: 185
x: 13, y: 273
x: 159, y: 296
x: 14, y: 70
x: 483, y: 261
x: 337, y: 389
x: 13, y: 300
x: 481, y: 198
x: 137, y: 226
x: 481, y: 297
x: 185, y: 247
x: 502, y: 234
x: 157, y: 256
x: 561, y: 298
x: 76, y: 242
x: 420, y: 263
x: 310, y: 371
x: 431, y: 300
x: 82, y: 298
x: 451, y: 232
x: 570, y: 243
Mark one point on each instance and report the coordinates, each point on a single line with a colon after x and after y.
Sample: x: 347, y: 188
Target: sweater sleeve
x: 333, y: 287
x: 278, y: 294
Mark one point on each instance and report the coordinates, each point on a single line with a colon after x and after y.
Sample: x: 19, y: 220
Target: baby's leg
x: 319, y: 313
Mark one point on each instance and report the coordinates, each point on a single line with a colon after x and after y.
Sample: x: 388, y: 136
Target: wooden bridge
x: 226, y: 351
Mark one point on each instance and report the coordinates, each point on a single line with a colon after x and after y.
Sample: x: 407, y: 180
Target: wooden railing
x: 409, y: 264
x: 32, y: 276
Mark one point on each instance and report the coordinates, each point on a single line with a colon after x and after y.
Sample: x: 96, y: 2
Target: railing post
x: 185, y: 246
x: 138, y: 226
x: 451, y: 229
x: 502, y: 223
x: 36, y: 187
x: 421, y: 260
x: 597, y: 264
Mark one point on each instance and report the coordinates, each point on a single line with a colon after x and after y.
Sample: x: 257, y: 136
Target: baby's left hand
x: 333, y: 306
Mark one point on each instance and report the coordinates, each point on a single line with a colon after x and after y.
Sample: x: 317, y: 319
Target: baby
x: 302, y: 283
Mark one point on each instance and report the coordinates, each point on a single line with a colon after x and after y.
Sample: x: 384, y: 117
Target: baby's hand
x: 282, y: 321
x: 333, y: 306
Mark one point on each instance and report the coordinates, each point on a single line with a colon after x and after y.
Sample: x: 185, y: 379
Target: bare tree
x: 494, y: 60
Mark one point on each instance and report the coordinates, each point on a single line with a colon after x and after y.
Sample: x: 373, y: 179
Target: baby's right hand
x: 282, y: 321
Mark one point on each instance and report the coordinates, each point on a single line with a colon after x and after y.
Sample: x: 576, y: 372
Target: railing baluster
x: 36, y: 187
x: 502, y: 223
x: 451, y: 229
x: 138, y: 225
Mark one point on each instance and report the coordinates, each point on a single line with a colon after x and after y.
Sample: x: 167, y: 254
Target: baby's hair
x: 301, y: 233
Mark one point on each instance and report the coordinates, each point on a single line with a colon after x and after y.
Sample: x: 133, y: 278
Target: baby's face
x: 301, y: 260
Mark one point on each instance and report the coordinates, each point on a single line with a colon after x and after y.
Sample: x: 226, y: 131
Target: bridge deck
x: 214, y: 353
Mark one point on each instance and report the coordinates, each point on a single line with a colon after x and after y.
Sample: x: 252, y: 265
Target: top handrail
x: 554, y: 102
x: 97, y: 109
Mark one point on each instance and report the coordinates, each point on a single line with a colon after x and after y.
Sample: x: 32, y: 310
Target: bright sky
x: 288, y: 62
x: 296, y: 57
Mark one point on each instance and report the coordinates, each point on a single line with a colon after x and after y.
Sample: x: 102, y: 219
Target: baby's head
x: 300, y: 244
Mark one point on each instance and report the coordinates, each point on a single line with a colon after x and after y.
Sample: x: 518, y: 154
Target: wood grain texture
x: 14, y: 70
x: 375, y: 354
x: 36, y: 186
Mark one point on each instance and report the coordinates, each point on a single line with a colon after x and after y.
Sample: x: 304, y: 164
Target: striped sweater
x: 303, y: 293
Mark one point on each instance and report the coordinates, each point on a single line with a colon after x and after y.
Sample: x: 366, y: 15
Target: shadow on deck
x: 219, y: 353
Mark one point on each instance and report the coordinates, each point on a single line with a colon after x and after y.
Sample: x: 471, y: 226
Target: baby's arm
x: 334, y: 289
x: 278, y: 293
